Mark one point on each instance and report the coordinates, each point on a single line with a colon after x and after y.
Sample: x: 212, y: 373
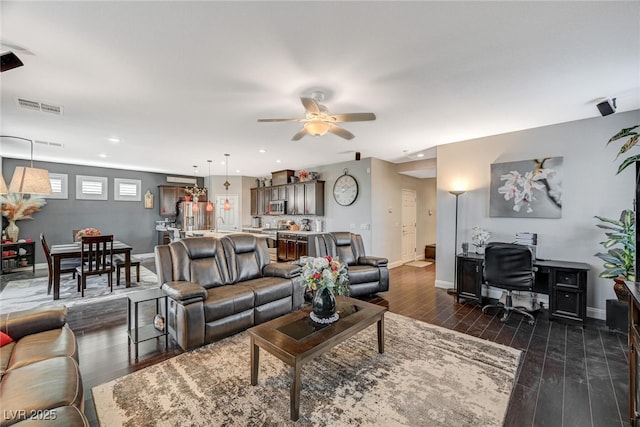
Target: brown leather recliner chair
x: 218, y: 287
x: 367, y: 274
x: 39, y: 369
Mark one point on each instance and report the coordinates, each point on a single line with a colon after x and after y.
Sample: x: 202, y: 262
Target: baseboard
x: 596, y: 313
x: 395, y: 264
x: 444, y: 284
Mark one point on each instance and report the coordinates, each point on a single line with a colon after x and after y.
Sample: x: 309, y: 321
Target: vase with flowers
x: 480, y: 237
x: 16, y: 207
x: 194, y: 193
x: 325, y: 277
x: 89, y: 231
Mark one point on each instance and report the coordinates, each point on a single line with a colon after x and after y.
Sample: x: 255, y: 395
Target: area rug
x: 29, y: 293
x: 419, y: 263
x: 428, y: 376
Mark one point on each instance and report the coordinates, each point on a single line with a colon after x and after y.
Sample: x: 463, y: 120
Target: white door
x: 408, y: 225
x: 227, y: 220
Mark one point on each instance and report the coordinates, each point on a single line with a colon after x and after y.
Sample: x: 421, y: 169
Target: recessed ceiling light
x: 262, y: 150
x: 102, y: 155
x: 277, y: 161
x: 114, y: 139
x: 237, y: 170
x: 420, y: 155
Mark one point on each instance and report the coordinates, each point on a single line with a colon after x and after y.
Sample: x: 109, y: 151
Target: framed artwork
x: 526, y: 189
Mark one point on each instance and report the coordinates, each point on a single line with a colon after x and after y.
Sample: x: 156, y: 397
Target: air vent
x: 39, y: 106
x: 49, y: 144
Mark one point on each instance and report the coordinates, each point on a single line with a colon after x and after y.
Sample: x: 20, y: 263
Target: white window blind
x: 91, y: 187
x: 127, y: 190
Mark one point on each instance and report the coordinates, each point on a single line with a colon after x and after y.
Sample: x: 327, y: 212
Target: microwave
x: 277, y: 207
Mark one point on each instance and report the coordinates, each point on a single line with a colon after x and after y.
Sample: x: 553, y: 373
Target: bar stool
x: 119, y: 261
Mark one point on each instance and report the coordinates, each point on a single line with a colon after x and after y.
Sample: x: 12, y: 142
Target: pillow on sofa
x: 5, y: 339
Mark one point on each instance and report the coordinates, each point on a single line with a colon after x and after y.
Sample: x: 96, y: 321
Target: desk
x: 565, y: 282
x: 72, y: 250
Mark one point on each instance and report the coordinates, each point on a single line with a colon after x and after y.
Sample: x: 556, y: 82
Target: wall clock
x: 345, y: 190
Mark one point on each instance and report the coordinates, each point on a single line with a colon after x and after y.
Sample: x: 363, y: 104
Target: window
x: 127, y: 190
x: 91, y: 187
x: 59, y: 186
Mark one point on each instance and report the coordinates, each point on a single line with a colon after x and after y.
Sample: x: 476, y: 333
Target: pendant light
x: 28, y: 180
x: 3, y: 186
x: 209, y: 204
x: 227, y: 205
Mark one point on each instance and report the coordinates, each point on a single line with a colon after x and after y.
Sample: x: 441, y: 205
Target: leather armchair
x: 367, y: 274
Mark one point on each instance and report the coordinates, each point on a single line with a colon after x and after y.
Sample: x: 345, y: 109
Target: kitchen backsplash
x: 316, y: 223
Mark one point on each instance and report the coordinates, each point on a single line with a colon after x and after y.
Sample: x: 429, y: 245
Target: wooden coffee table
x: 295, y: 339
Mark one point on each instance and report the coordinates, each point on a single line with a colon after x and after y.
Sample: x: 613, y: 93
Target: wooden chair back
x: 97, y: 254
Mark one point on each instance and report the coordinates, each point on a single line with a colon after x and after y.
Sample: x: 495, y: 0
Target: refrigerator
x: 194, y: 216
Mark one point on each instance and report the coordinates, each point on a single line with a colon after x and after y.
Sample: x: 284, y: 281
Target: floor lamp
x: 453, y: 290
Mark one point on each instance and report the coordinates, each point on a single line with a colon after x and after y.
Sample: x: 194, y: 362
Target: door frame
x: 414, y: 195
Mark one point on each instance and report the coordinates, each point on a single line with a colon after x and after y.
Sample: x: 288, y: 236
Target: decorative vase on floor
x: 324, y: 307
x: 12, y: 231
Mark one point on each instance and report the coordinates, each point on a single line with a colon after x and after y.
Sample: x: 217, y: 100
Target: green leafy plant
x: 630, y: 143
x: 619, y: 260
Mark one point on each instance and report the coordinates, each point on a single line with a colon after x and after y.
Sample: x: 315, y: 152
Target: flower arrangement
x: 15, y: 207
x: 89, y: 231
x: 195, y: 191
x: 303, y: 175
x: 326, y: 272
x: 480, y: 236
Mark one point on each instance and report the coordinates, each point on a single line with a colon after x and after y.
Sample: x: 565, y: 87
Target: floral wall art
x: 527, y: 188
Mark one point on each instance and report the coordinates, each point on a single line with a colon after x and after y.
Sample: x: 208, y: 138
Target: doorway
x: 409, y: 214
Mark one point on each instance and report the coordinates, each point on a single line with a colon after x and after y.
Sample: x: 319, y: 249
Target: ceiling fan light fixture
x: 317, y: 128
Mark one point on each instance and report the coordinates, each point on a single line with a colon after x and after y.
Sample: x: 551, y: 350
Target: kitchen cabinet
x: 11, y: 258
x: 314, y: 198
x: 169, y: 197
x: 303, y: 198
x: 292, y: 246
x: 254, y: 201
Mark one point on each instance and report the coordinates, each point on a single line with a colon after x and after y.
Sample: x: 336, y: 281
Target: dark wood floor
x: 570, y: 376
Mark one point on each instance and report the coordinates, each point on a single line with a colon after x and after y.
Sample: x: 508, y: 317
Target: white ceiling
x: 182, y: 82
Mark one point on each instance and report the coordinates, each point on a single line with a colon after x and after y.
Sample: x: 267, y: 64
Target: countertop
x: 218, y: 234
x: 260, y: 230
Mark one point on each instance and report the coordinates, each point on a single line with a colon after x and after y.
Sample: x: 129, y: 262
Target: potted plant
x: 619, y: 260
x: 633, y: 136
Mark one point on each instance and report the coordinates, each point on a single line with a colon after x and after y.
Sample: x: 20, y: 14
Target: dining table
x: 73, y: 250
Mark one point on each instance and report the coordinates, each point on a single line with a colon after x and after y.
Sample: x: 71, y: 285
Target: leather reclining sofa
x: 41, y: 382
x: 218, y: 287
x: 367, y: 274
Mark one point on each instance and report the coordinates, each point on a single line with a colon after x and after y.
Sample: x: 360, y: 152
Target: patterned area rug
x: 29, y: 293
x: 428, y: 376
x: 419, y: 263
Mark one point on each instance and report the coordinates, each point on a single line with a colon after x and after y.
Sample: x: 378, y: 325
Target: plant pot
x: 621, y: 290
x: 12, y: 231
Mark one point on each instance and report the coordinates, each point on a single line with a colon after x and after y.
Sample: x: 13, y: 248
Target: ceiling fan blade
x: 310, y: 105
x: 341, y: 132
x: 280, y: 120
x: 298, y: 136
x: 354, y: 117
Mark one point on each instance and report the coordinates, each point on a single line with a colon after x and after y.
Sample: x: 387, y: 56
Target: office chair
x: 508, y: 266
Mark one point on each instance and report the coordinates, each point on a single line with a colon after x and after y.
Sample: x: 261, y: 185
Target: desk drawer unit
x: 568, y: 294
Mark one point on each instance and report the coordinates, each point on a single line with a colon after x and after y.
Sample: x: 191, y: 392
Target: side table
x: 138, y: 333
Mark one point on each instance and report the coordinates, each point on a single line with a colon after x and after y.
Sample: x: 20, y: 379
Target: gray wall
x: 590, y: 187
x: 129, y: 222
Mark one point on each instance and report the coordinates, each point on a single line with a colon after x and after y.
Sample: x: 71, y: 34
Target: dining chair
x: 66, y: 265
x: 97, y: 255
x: 509, y: 266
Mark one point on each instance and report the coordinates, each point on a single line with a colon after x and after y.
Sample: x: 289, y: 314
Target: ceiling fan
x: 318, y: 121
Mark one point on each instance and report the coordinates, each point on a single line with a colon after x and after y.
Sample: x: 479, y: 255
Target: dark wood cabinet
x: 565, y: 282
x: 12, y: 259
x: 634, y: 353
x: 314, y: 198
x: 254, y: 201
x: 292, y: 246
x: 303, y: 198
x: 169, y: 197
x: 469, y: 278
